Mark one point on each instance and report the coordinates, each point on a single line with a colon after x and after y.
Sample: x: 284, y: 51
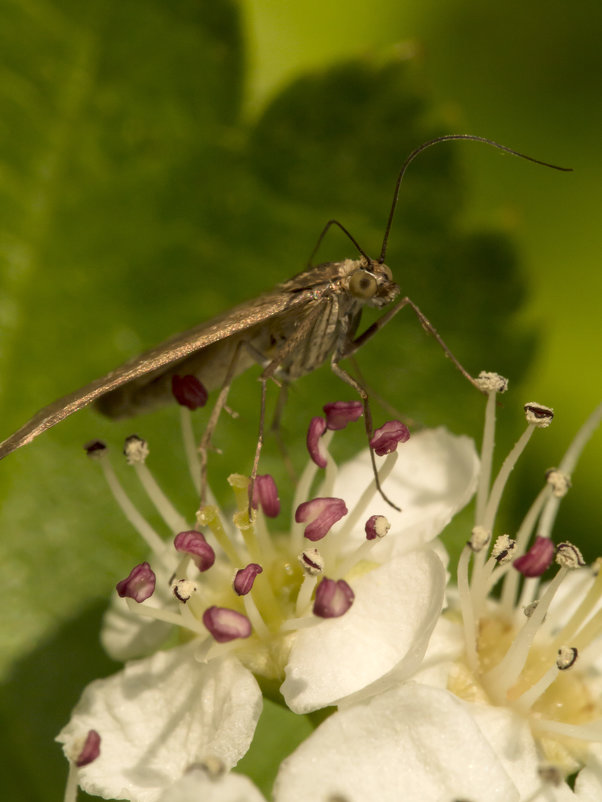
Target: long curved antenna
x: 451, y: 138
x: 347, y: 234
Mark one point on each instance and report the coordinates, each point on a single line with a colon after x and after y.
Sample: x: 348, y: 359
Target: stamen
x: 302, y: 492
x: 245, y: 578
x: 184, y: 590
x: 194, y: 544
x: 136, y: 451
x: 567, y: 554
x: 226, y: 624
x: 502, y: 549
x: 90, y: 750
x: 479, y: 539
x: 559, y: 481
x: 265, y: 493
x: 538, y: 559
x: 144, y: 529
x: 317, y: 427
x: 538, y: 415
x: 190, y: 448
x: 504, y: 676
x: 340, y: 413
x: 333, y: 599
x: 492, y: 383
x: 386, y: 438
x: 320, y: 514
x: 567, y: 657
x: 568, y: 463
x: 189, y: 392
x: 377, y: 526
x: 139, y: 585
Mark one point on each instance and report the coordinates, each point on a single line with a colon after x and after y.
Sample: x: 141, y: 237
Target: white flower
x: 319, y: 642
x: 506, y: 704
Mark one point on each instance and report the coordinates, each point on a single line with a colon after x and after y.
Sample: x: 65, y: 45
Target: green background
x: 161, y: 161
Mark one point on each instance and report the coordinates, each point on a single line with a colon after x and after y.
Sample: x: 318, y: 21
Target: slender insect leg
x: 361, y: 391
x: 382, y: 402
x: 276, y: 430
x: 219, y: 405
x: 426, y: 325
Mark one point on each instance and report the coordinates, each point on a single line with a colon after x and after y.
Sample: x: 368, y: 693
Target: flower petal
x: 413, y: 743
x: 395, y: 609
x: 197, y: 785
x: 435, y: 477
x: 159, y: 716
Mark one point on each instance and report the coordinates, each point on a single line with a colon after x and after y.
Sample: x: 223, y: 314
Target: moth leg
x: 219, y: 405
x: 426, y: 325
x: 361, y: 391
x: 382, y: 402
x: 276, y: 430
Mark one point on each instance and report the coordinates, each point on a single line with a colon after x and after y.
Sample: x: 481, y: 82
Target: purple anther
x: 244, y: 579
x: 317, y: 427
x: 225, y: 624
x: 377, y: 526
x: 320, y: 514
x: 537, y: 559
x: 139, y: 585
x: 189, y: 391
x: 333, y: 598
x: 340, y: 413
x: 193, y: 543
x: 90, y: 750
x: 265, y: 493
x: 386, y: 439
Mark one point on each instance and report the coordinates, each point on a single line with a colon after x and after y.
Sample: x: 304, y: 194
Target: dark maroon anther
x: 317, y: 427
x: 244, y: 579
x: 320, y: 514
x: 95, y: 448
x: 340, y: 413
x: 225, y: 624
x: 193, y: 543
x: 139, y: 585
x: 377, y: 526
x: 537, y: 559
x: 333, y: 599
x: 90, y: 750
x: 265, y: 493
x: 189, y: 391
x: 386, y: 439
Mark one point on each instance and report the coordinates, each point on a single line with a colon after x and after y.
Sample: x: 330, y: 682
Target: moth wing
x: 245, y: 316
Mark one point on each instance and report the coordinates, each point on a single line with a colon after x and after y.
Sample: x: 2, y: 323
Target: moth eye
x: 362, y: 284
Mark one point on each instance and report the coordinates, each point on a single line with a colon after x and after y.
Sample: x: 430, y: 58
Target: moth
x: 290, y: 330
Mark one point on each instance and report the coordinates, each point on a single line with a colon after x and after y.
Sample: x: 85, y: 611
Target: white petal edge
x: 414, y: 743
x: 395, y: 610
x: 160, y: 715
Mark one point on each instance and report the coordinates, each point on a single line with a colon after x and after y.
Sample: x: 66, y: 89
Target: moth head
x: 373, y: 284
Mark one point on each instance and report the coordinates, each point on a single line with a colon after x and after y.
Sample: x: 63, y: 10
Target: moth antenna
x: 451, y: 138
x: 347, y: 234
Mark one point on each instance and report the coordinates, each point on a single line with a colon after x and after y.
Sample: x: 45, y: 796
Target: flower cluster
x: 483, y: 688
